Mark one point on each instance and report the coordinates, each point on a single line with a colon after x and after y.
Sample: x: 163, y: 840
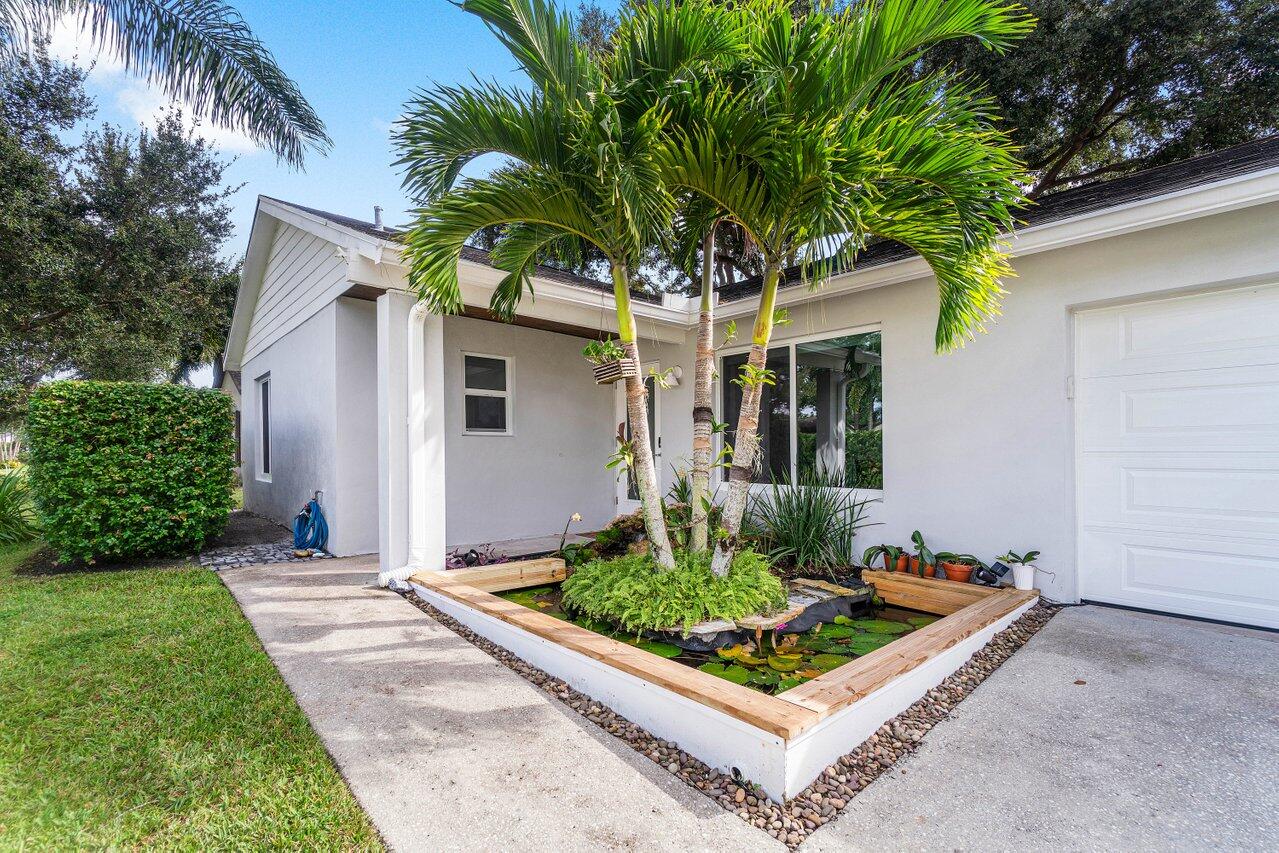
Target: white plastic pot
x: 1024, y: 577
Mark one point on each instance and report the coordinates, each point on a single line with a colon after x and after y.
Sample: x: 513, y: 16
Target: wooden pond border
x: 775, y: 741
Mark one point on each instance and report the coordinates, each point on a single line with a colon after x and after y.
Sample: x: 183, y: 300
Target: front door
x: 627, y: 490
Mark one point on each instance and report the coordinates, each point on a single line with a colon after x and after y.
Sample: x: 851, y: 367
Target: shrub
x: 632, y: 593
x: 864, y: 450
x: 810, y: 524
x: 123, y: 469
x: 17, y: 521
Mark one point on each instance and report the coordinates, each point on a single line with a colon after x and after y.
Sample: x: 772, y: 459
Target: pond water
x: 777, y: 662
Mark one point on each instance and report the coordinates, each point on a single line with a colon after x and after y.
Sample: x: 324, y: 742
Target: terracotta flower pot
x: 929, y: 571
x: 958, y: 572
x: 902, y: 564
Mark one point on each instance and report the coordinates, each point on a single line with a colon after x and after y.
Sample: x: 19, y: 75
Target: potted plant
x: 610, y: 360
x: 894, y: 557
x: 957, y: 567
x: 1023, y: 568
x: 923, y: 562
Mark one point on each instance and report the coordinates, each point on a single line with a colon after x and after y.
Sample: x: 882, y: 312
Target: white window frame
x: 508, y: 394
x: 790, y: 344
x: 264, y: 430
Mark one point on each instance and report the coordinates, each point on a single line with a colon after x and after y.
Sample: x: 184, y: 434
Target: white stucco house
x: 1122, y: 416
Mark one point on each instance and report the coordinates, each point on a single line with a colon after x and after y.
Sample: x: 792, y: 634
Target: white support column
x: 426, y: 441
x: 393, y: 311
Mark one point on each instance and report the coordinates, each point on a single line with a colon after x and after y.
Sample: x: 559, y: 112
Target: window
x: 487, y: 387
x: 264, y: 434
x: 834, y: 387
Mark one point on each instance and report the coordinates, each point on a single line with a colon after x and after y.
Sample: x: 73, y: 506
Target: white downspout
x: 424, y: 422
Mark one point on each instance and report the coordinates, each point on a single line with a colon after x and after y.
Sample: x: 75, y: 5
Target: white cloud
x: 141, y: 101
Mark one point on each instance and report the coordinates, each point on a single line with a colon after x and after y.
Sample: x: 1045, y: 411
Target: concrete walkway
x: 447, y: 749
x: 1171, y: 744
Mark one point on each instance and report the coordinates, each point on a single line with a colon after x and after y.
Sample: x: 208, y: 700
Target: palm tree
x: 199, y: 51
x: 585, y: 140
x: 835, y: 142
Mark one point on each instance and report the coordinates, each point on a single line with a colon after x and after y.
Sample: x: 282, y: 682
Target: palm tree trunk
x: 746, y: 444
x: 642, y: 468
x: 703, y: 414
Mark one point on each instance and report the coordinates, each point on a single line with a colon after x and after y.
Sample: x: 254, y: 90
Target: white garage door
x: 1177, y: 443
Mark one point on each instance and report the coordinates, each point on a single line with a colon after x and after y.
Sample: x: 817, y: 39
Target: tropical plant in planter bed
x: 630, y: 593
x: 894, y: 557
x: 923, y: 562
x: 957, y: 567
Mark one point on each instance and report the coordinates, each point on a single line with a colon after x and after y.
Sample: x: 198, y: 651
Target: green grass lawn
x: 138, y: 709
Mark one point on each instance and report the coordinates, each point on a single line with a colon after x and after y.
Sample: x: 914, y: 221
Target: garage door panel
x: 1223, y: 409
x: 1229, y: 493
x: 1177, y: 455
x: 1211, y: 330
x: 1215, y: 578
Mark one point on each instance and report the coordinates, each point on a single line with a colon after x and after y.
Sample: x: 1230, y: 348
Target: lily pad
x: 827, y: 662
x: 837, y: 631
x: 785, y: 663
x: 751, y: 660
x: 733, y: 673
x: 765, y: 678
x: 809, y: 673
x: 880, y: 626
x: 921, y: 621
x: 788, y: 683
x: 731, y: 653
x: 867, y: 643
x: 657, y: 647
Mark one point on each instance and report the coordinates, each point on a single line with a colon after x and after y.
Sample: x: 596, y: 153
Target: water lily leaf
x: 751, y: 660
x: 731, y: 653
x: 764, y: 678
x: 735, y: 674
x: 788, y: 683
x: 784, y: 663
x: 837, y: 631
x: 664, y: 650
x: 921, y: 621
x: 543, y: 605
x: 541, y: 590
x: 827, y: 662
x: 809, y: 673
x: 881, y: 626
x: 866, y: 643
x: 843, y: 620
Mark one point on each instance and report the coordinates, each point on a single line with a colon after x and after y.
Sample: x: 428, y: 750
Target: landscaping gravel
x: 255, y: 555
x: 821, y: 802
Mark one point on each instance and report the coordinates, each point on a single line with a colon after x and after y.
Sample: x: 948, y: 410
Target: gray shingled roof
x: 1139, y: 186
x: 479, y: 256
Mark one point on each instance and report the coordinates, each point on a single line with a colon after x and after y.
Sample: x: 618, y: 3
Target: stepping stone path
x: 255, y: 555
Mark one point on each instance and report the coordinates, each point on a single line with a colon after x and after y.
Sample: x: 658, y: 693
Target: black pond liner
x: 821, y: 612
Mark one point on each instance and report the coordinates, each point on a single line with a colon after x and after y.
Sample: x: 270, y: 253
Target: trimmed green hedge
x: 127, y: 469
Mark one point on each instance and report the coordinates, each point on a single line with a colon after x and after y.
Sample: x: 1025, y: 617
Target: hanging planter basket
x: 611, y: 371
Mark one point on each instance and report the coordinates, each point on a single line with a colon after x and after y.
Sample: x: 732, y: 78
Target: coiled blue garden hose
x: 310, y: 530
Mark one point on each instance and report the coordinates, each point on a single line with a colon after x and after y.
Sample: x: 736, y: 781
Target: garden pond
x: 773, y: 662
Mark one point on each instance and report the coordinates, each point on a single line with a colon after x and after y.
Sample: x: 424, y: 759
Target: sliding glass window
x: 834, y: 388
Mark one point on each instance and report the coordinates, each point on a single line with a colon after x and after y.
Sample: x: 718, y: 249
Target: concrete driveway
x: 1171, y: 742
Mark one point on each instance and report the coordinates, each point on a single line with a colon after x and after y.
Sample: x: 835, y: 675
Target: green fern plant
x: 628, y: 592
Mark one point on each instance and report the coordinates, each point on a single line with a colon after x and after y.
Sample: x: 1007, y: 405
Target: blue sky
x: 357, y: 63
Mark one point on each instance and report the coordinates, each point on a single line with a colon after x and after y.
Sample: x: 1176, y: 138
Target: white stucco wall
x: 323, y: 424
x: 528, y: 483
x: 303, y: 430
x: 978, y: 444
x: 354, y: 499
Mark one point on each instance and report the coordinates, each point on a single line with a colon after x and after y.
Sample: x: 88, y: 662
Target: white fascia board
x: 1193, y: 203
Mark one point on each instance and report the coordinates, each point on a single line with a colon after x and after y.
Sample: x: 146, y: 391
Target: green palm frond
x: 446, y: 127
x: 526, y: 197
x: 542, y: 40
x: 199, y: 51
